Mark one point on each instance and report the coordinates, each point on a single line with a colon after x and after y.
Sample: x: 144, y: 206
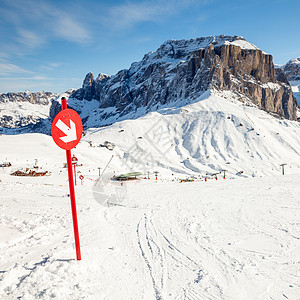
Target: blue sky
x: 52, y: 45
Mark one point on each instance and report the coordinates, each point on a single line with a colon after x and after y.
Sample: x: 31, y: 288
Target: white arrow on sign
x: 70, y: 132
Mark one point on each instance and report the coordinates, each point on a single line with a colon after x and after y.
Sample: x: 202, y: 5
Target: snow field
x: 237, y: 238
x: 226, y: 239
x: 205, y: 137
x: 24, y: 112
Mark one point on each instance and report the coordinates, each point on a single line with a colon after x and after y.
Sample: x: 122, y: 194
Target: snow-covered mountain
x: 177, y: 74
x: 292, y: 71
x: 296, y: 89
x: 21, y: 109
x: 180, y: 71
x: 27, y: 112
x: 214, y: 132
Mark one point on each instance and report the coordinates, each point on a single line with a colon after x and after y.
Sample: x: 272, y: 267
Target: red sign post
x: 66, y: 131
x: 74, y: 162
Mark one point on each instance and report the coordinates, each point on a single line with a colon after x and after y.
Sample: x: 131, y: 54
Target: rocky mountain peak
x: 182, y: 48
x: 182, y: 70
x: 102, y: 76
x: 88, y: 81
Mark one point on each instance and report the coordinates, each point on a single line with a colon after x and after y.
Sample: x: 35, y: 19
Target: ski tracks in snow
x: 32, y: 251
x: 174, y: 274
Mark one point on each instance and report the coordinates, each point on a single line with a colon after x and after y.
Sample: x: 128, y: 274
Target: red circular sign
x: 66, y: 129
x: 81, y: 177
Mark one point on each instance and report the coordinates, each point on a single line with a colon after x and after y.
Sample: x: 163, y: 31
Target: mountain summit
x: 180, y: 71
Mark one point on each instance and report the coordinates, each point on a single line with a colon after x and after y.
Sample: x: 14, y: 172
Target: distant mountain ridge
x: 41, y: 98
x: 292, y: 69
x: 27, y: 112
x: 21, y: 109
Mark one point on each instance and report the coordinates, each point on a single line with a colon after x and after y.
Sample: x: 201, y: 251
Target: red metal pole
x: 64, y: 103
x: 75, y: 173
x: 72, y: 193
x: 73, y: 204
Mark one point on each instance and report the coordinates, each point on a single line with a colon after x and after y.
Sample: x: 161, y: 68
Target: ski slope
x: 229, y: 239
x: 237, y: 238
x: 215, y: 133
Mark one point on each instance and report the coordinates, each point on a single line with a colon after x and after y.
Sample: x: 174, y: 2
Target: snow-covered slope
x: 21, y: 109
x: 227, y: 239
x: 159, y: 239
x: 27, y: 112
x: 18, y: 114
x: 216, y: 132
x: 210, y: 135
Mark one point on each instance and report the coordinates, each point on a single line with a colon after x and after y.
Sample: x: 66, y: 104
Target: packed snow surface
x: 233, y: 238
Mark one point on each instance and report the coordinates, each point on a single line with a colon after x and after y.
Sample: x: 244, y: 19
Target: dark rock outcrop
x: 88, y: 88
x: 184, y: 69
x: 54, y: 109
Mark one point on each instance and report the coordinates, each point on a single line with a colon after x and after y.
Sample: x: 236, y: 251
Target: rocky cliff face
x: 181, y: 70
x: 251, y: 72
x: 42, y: 98
x: 292, y: 69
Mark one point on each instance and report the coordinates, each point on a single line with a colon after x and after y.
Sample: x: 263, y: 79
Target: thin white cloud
x: 8, y: 68
x: 35, y: 23
x: 69, y: 29
x: 132, y: 13
x: 51, y: 66
x: 28, y: 78
x: 3, y: 54
x: 129, y: 14
x: 30, y: 39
